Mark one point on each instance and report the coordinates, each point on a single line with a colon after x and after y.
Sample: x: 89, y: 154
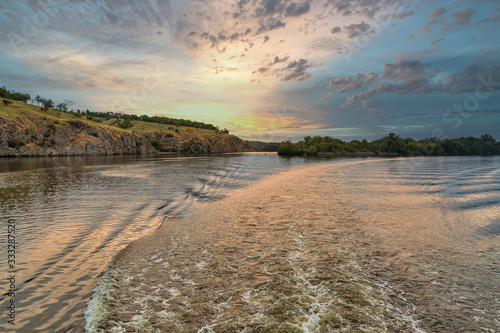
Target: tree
x: 62, y: 107
x: 38, y: 99
x: 6, y: 102
x: 312, y: 150
x: 20, y: 97
x: 288, y: 148
x: 4, y: 93
x: 46, y: 104
x: 393, y: 144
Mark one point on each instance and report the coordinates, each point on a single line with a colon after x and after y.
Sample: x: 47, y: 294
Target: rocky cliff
x: 26, y: 131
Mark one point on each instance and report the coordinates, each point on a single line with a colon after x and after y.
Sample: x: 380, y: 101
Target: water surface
x: 360, y: 245
x: 74, y: 214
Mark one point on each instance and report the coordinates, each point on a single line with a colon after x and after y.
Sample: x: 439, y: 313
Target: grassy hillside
x: 25, y: 130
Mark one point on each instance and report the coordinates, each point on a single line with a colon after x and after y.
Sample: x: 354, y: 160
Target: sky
x: 266, y: 70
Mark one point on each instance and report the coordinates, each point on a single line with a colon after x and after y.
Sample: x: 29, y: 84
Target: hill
x: 26, y: 130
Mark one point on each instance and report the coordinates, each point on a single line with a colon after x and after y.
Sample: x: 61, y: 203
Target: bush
x: 125, y: 124
x: 312, y: 150
x: 155, y: 144
x: 16, y: 143
x: 6, y: 102
x: 52, y: 126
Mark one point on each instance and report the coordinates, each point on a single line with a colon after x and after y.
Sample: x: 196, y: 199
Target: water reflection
x: 74, y: 213
x: 435, y: 224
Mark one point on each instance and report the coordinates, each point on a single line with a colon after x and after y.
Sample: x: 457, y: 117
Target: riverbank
x: 274, y: 257
x: 26, y: 131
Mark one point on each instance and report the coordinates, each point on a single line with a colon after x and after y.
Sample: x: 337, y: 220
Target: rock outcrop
x: 28, y: 133
x: 49, y: 138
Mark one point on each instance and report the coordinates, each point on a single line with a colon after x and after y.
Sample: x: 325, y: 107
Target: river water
x: 424, y: 232
x: 74, y: 214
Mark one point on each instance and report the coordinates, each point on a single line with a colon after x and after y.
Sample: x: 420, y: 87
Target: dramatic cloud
x: 183, y: 57
x: 413, y: 77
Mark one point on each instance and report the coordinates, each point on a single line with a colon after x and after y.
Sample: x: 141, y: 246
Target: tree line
x: 485, y: 145
x: 46, y: 104
x: 265, y: 146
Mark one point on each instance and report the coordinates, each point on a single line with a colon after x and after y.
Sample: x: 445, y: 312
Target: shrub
x: 125, y: 124
x: 312, y: 150
x: 16, y: 143
x: 155, y: 144
x: 6, y: 102
x: 52, y: 126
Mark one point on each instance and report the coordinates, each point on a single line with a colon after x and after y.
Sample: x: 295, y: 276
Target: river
x: 424, y: 232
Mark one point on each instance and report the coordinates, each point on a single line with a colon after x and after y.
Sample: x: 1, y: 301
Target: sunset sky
x: 266, y: 69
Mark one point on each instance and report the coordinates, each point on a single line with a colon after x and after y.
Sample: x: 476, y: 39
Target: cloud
x: 336, y: 30
x: 438, y: 40
x: 437, y: 13
x: 324, y: 98
x: 348, y: 83
x: 270, y: 7
x: 367, y: 8
x: 403, y: 15
x: 492, y: 18
x: 296, y: 9
x: 414, y: 77
x: 357, y: 30
x: 222, y: 36
x: 295, y: 70
x: 269, y: 24
x: 276, y: 60
x: 371, y: 105
x: 463, y: 16
x: 470, y: 76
